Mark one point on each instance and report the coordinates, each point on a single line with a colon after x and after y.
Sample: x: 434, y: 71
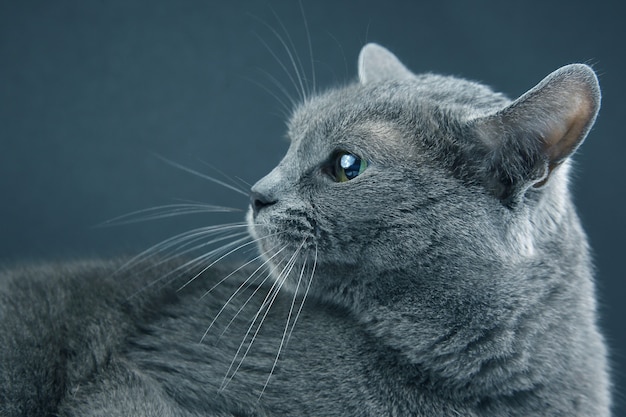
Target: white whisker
x: 226, y: 379
x: 243, y: 285
x: 267, y: 303
x: 164, y: 211
x: 244, y: 182
x: 192, y: 239
x: 308, y: 37
x: 207, y: 292
x: 300, y: 68
x: 201, y: 175
x: 210, y: 254
x: 269, y: 274
x: 285, y: 109
x: 226, y: 176
x: 222, y: 248
x: 306, y: 293
x: 167, y: 244
x: 282, y: 340
x: 300, y: 90
x: 343, y: 54
x: 186, y: 266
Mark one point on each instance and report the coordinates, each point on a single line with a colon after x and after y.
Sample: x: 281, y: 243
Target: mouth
x: 290, y: 228
x: 286, y: 252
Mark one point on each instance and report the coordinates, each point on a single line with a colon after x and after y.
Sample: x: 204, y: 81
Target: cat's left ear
x: 530, y: 138
x: 378, y: 64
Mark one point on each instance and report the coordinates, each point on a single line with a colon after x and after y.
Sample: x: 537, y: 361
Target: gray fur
x: 451, y: 278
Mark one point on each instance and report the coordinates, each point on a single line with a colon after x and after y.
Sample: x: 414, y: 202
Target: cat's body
x: 427, y: 222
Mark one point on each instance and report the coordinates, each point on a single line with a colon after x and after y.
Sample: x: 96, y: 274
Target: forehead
x: 423, y: 121
x: 347, y: 118
x: 423, y: 102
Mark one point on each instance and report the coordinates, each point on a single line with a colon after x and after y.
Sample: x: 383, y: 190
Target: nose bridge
x: 266, y: 191
x: 275, y: 184
x: 268, y: 186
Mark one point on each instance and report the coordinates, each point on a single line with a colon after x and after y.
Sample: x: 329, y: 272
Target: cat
x: 419, y: 255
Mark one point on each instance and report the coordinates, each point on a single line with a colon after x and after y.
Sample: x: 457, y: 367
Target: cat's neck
x: 490, y: 332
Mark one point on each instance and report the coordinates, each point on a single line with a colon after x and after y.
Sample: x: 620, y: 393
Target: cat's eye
x: 348, y: 166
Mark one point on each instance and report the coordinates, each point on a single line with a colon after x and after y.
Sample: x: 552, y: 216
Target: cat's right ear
x: 378, y: 64
x: 529, y: 139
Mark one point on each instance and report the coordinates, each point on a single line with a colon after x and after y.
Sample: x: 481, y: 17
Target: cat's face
x: 390, y: 175
x: 378, y: 211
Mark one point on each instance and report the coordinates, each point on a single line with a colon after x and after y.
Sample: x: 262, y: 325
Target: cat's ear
x: 378, y: 64
x: 530, y: 138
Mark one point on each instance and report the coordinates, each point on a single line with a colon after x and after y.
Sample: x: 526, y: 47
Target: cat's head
x: 401, y: 182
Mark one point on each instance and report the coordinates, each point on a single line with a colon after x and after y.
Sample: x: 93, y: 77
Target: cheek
x: 374, y: 224
x: 349, y: 204
x: 345, y: 228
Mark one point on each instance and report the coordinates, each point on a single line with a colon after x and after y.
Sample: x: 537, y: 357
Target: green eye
x: 348, y: 166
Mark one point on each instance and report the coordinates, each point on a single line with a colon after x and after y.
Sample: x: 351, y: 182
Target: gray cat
x: 419, y: 256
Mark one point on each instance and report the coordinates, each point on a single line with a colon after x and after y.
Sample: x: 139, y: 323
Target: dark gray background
x: 91, y: 90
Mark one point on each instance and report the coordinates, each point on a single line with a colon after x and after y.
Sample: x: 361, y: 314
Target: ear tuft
x: 377, y: 64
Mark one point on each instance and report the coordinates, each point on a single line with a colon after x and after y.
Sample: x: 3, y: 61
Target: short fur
x: 452, y: 277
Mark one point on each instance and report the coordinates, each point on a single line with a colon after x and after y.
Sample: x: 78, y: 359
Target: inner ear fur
x: 531, y: 137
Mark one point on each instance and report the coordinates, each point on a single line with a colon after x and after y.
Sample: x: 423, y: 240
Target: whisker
x: 215, y: 251
x: 178, y: 253
x: 343, y: 54
x: 282, y: 340
x: 243, y: 285
x: 273, y: 293
x: 226, y: 379
x: 176, y: 240
x: 170, y: 277
x: 245, y: 264
x: 165, y: 211
x: 254, y: 319
x: 268, y: 270
x: 269, y: 274
x: 201, y: 175
x: 189, y: 264
x: 246, y: 183
x: 308, y: 37
x: 300, y: 73
x: 203, y: 258
x: 306, y: 293
x: 226, y: 176
x: 224, y: 256
x: 300, y: 90
x: 285, y: 109
x: 265, y: 306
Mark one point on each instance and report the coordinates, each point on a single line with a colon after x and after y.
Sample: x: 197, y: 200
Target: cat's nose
x: 259, y: 201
